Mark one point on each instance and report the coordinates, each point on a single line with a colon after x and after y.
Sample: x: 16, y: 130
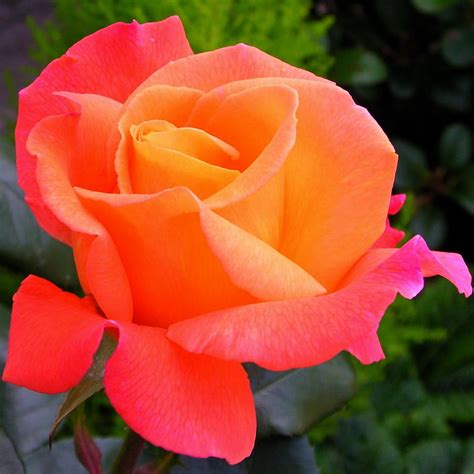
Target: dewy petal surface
x: 111, y: 62
x: 52, y: 141
x: 302, y: 332
x: 53, y: 337
x: 193, y: 404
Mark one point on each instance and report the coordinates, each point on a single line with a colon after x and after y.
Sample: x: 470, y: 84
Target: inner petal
x: 165, y: 156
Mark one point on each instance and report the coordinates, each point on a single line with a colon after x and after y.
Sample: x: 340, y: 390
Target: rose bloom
x: 222, y: 207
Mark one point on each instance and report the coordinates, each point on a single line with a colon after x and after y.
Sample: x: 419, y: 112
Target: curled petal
x: 53, y: 337
x: 302, y: 332
x: 111, y: 62
x: 164, y: 103
x: 193, y: 404
x: 187, y: 259
x: 52, y: 141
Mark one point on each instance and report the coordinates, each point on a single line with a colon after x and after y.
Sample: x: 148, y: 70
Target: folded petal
x: 303, y: 332
x: 163, y: 103
x: 111, y: 62
x: 53, y: 337
x: 192, y: 404
x: 155, y: 169
x: 340, y: 161
x: 255, y: 199
x: 52, y: 142
x: 97, y: 117
x: 187, y: 259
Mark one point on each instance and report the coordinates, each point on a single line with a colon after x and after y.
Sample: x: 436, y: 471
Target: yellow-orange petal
x: 154, y: 169
x: 261, y: 122
x: 172, y: 104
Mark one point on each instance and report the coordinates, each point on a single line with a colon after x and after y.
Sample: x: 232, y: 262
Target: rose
x: 222, y: 207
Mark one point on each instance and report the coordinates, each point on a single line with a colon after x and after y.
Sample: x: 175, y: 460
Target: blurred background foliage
x: 410, y: 62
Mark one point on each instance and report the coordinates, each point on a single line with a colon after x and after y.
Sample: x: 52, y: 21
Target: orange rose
x: 222, y: 207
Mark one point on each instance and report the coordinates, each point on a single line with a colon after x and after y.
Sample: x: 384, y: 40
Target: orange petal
x: 206, y: 71
x: 182, y: 258
x: 172, y: 104
x: 52, y: 141
x: 87, y: 166
x: 339, y: 178
x: 254, y: 200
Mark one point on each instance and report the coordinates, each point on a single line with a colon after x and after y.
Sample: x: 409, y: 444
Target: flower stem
x: 129, y: 454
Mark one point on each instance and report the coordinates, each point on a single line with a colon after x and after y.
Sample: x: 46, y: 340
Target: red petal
x: 302, y: 332
x: 111, y: 62
x: 191, y: 404
x: 53, y: 337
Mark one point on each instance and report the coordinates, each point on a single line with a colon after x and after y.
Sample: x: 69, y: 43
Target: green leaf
x: 434, y: 457
x: 433, y: 6
x: 91, y: 383
x: 430, y: 222
x: 9, y: 460
x: 457, y: 47
x: 358, y: 67
x: 455, y: 146
x: 412, y: 165
x: 22, y: 243
x: 279, y: 455
x: 464, y: 191
x: 290, y: 402
x: 282, y: 455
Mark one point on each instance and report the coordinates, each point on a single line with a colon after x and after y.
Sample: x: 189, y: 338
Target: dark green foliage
x: 284, y: 29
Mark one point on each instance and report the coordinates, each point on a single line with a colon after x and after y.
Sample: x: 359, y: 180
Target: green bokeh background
x: 410, y: 62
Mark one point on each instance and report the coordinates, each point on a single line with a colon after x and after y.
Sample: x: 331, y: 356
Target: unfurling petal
x: 302, y: 332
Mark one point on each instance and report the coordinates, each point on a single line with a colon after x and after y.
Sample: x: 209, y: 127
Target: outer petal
x: 111, y: 62
x: 209, y: 70
x: 52, y: 142
x: 308, y: 331
x: 368, y: 349
x: 53, y: 337
x: 391, y: 236
x: 193, y: 404
x: 186, y: 260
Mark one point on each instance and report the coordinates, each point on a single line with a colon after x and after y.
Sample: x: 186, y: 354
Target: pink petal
x: 301, y: 332
x: 111, y: 62
x: 191, y: 404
